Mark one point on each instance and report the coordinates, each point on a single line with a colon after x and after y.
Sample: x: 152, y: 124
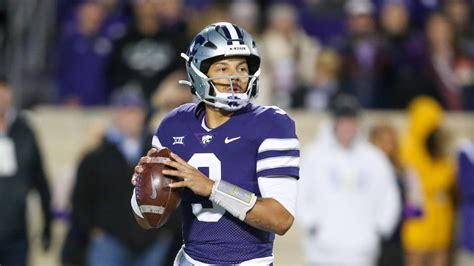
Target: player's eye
x: 244, y: 70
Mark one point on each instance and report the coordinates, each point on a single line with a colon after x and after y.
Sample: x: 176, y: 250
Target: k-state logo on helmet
x: 199, y: 40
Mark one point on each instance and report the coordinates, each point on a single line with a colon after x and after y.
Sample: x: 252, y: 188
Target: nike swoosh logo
x: 153, y: 189
x: 227, y: 140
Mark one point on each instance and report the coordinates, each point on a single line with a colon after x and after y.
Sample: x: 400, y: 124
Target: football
x: 155, y: 198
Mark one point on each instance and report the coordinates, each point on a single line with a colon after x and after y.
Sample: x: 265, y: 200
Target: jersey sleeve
x: 155, y: 142
x: 160, y: 134
x: 279, y: 150
x: 163, y: 136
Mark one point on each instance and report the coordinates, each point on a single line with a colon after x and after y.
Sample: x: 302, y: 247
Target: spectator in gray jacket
x: 21, y: 170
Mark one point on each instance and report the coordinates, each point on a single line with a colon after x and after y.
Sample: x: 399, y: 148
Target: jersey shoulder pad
x: 180, y: 111
x: 277, y: 121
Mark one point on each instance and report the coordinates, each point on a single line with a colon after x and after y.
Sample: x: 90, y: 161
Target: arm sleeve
x: 388, y: 199
x: 281, y: 188
x: 279, y: 150
x: 156, y: 143
x: 163, y: 136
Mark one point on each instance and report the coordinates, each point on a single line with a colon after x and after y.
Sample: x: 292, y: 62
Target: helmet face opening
x: 216, y: 42
x: 229, y: 100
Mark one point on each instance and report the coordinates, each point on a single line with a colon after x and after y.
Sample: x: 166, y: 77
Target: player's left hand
x: 191, y: 177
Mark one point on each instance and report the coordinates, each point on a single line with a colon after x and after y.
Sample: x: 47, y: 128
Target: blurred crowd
x: 385, y: 52
x: 387, y: 197
x: 382, y: 198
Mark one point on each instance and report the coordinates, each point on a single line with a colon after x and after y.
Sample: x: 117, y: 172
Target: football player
x: 238, y: 162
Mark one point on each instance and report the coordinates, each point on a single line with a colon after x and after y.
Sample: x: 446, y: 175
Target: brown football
x: 155, y: 198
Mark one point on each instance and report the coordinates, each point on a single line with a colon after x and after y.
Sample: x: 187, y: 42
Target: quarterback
x: 238, y: 162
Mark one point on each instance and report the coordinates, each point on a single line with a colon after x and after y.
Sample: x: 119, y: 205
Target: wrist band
x: 235, y: 200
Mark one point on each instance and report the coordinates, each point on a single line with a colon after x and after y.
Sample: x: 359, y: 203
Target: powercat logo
x: 197, y: 42
x: 204, y: 139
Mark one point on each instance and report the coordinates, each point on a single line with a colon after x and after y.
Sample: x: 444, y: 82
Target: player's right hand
x: 138, y: 168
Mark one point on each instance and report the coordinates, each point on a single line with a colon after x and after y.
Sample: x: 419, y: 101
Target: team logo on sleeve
x: 178, y: 140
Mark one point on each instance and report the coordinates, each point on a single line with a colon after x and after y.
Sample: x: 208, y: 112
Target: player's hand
x: 191, y: 177
x: 138, y: 168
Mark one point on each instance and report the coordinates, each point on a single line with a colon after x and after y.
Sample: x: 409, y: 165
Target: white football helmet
x: 216, y: 41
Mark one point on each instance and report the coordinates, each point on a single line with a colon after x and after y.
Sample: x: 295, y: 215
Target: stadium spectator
x: 147, y: 53
x: 404, y: 75
x: 173, y: 15
x: 21, y: 170
x: 247, y: 15
x: 317, y: 94
x: 464, y: 71
x: 66, y: 8
x: 447, y: 63
x: 101, y: 197
x: 289, y: 53
x: 361, y: 52
x: 27, y: 37
x: 348, y: 198
x: 460, y: 14
x: 84, y: 47
x: 465, y: 164
x: 419, y: 10
x: 427, y: 234
x: 385, y: 138
x: 323, y: 19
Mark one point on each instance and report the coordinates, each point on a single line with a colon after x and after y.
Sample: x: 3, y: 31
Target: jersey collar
x: 200, y: 107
